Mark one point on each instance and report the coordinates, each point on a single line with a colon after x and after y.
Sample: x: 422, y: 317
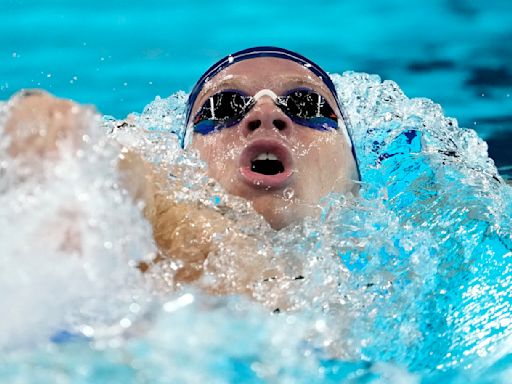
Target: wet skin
x: 316, y: 162
x: 39, y: 127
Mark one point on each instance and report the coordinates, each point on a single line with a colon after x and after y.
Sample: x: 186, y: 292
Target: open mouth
x: 266, y: 164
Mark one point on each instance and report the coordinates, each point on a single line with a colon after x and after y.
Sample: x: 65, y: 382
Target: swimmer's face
x: 304, y: 164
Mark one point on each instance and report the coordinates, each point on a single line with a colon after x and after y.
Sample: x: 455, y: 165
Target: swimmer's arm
x: 195, y: 237
x: 38, y: 122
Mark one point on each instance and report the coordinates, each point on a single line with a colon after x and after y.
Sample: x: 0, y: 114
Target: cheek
x: 314, y: 149
x: 322, y: 161
x: 219, y: 151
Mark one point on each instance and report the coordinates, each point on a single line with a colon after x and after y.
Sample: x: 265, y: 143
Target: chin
x: 280, y: 213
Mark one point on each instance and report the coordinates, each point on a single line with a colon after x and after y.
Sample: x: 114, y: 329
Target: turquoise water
x: 412, y: 284
x: 119, y: 54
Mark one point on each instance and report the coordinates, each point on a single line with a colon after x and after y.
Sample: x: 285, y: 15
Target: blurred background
x: 119, y: 55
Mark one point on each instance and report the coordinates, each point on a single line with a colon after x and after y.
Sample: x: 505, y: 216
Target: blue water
x: 119, y: 54
x: 427, y: 249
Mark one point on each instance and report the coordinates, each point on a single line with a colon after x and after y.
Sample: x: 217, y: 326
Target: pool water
x: 119, y: 55
x: 411, y: 283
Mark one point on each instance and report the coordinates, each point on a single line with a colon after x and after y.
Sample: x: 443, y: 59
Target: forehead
x: 252, y: 75
x: 264, y: 72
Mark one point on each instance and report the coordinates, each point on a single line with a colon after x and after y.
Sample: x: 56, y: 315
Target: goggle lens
x: 227, y: 108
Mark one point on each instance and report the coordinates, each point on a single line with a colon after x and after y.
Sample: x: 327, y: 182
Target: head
x: 283, y: 151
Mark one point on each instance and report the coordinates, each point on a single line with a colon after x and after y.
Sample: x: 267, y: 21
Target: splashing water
x: 409, y: 283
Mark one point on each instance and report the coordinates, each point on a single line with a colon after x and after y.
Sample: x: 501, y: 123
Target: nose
x: 265, y: 115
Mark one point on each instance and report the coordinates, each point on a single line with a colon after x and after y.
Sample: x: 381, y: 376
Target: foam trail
x: 70, y: 238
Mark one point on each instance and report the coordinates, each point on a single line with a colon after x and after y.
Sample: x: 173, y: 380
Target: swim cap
x: 251, y: 53
x: 267, y: 51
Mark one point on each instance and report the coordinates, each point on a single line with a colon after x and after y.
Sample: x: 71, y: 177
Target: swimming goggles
x: 228, y: 107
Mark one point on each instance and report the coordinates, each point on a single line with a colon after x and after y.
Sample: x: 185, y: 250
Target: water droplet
x: 180, y: 302
x: 288, y: 193
x: 134, y: 308
x: 216, y: 200
x: 320, y: 325
x: 230, y: 59
x: 87, y: 330
x: 125, y: 323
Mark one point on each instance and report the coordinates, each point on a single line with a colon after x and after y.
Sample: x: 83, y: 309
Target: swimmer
x: 265, y: 121
x: 278, y: 117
